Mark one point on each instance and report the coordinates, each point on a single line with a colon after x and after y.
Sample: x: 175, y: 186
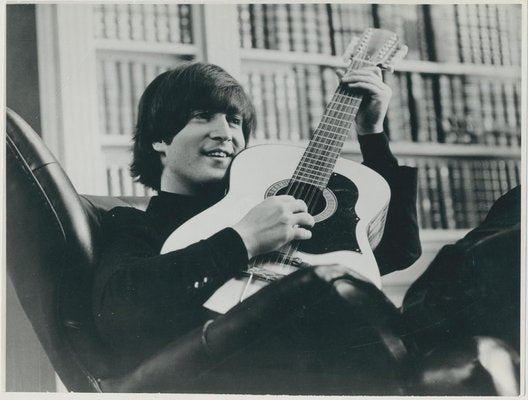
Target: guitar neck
x: 319, y: 159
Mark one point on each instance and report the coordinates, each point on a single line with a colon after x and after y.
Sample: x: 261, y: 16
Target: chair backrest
x: 51, y: 252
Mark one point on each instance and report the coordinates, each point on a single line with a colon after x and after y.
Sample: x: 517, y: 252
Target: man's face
x: 201, y: 152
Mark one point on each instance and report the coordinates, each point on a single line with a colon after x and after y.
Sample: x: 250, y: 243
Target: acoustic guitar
x: 348, y: 200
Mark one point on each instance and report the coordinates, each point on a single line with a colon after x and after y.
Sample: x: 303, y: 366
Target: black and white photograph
x: 287, y: 198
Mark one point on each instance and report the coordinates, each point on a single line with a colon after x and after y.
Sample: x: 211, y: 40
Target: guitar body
x: 349, y: 218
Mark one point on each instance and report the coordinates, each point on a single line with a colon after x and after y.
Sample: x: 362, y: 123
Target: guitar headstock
x: 375, y: 47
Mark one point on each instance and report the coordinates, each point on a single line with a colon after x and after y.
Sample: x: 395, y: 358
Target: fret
x: 311, y: 175
x: 309, y: 151
x: 333, y: 125
x: 321, y: 140
x: 329, y: 168
x: 311, y: 181
x: 345, y: 112
x: 347, y: 121
x: 325, y: 147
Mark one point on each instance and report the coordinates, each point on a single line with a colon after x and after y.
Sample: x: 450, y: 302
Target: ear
x: 159, y: 146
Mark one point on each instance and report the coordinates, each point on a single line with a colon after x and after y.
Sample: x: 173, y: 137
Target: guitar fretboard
x: 318, y: 161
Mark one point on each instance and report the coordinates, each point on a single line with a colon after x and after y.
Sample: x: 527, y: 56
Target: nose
x: 222, y: 131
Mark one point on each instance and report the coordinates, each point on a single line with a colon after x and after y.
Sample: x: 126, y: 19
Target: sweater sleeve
x: 400, y: 245
x: 138, y: 291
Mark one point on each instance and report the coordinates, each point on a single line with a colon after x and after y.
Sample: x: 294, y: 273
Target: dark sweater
x: 142, y: 299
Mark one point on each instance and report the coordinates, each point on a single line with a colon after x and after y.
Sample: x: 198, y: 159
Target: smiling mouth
x: 218, y: 154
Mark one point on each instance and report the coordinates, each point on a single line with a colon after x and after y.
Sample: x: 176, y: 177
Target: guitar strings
x: 313, y: 192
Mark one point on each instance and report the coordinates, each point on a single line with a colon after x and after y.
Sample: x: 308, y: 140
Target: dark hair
x: 166, y: 107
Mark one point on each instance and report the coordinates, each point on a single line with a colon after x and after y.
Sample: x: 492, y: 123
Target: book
x: 464, y: 38
x: 310, y: 28
x: 420, y: 109
x: 337, y: 43
x: 258, y: 101
x: 173, y: 20
x: 123, y: 21
x: 270, y: 27
x: 456, y: 184
x: 314, y: 95
x: 494, y: 35
x: 186, y: 26
x: 110, y: 21
x: 125, y: 98
x: 485, y: 38
x: 281, y: 100
x: 432, y: 129
x: 487, y: 111
x: 292, y: 102
x: 257, y: 26
x: 423, y: 201
x: 137, y: 28
x: 302, y: 97
x: 474, y: 33
x: 466, y: 169
x: 138, y: 85
x: 447, y: 206
x: 283, y: 29
x: 297, y: 38
x: 244, y: 25
x: 161, y: 14
x: 444, y: 28
x: 270, y: 111
x: 499, y: 113
x: 99, y: 22
x: 322, y: 23
x: 111, y: 96
x: 447, y: 112
x: 149, y: 22
x: 472, y: 106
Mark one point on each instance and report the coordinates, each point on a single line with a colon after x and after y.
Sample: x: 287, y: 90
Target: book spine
x: 270, y: 111
x: 472, y: 106
x: 185, y: 13
x: 464, y: 38
x: 283, y: 28
x: 271, y: 40
x: 136, y: 22
x: 279, y: 81
x: 323, y: 29
x: 149, y: 22
x: 257, y: 24
x: 485, y: 39
x: 447, y: 110
x: 420, y: 108
x: 310, y: 28
x: 494, y: 35
x: 161, y: 13
x: 505, y: 36
x: 474, y: 34
x: 258, y: 100
x: 495, y: 179
x: 111, y: 96
x: 110, y: 21
x: 457, y: 194
x: 499, y: 114
x: 244, y: 26
x: 304, y: 119
x: 469, y: 192
x: 435, y: 194
x: 297, y: 27
x: 446, y: 194
x: 432, y: 129
x: 315, y: 96
x: 511, y: 112
x: 123, y: 22
x: 337, y: 27
x: 394, y: 113
x: 424, y: 202
x: 138, y: 86
x: 173, y: 16
x: 99, y: 21
x: 444, y: 29
x: 503, y: 176
x: 487, y: 112
x: 125, y: 98
x: 293, y: 106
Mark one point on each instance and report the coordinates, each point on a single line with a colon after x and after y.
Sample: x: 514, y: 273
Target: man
x: 192, y: 121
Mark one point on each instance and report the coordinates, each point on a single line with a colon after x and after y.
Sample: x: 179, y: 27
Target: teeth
x: 217, y: 154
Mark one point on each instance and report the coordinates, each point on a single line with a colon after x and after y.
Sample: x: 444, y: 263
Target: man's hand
x: 376, y: 97
x: 273, y: 223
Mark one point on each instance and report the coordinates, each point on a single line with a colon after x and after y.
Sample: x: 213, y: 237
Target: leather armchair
x: 52, y: 247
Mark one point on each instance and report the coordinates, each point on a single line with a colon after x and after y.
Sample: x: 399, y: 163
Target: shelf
x: 177, y: 49
x: 274, y: 56
x: 352, y: 147
x: 421, y: 149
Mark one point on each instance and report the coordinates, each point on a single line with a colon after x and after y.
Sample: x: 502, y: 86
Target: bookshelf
x: 454, y: 114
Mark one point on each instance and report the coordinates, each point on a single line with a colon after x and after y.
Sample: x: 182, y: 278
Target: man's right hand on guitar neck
x: 273, y: 223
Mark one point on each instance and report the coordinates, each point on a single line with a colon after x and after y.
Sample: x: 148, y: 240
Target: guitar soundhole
x: 321, y: 204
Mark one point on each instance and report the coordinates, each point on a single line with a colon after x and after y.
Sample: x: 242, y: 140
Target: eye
x: 235, y: 119
x: 202, y: 114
